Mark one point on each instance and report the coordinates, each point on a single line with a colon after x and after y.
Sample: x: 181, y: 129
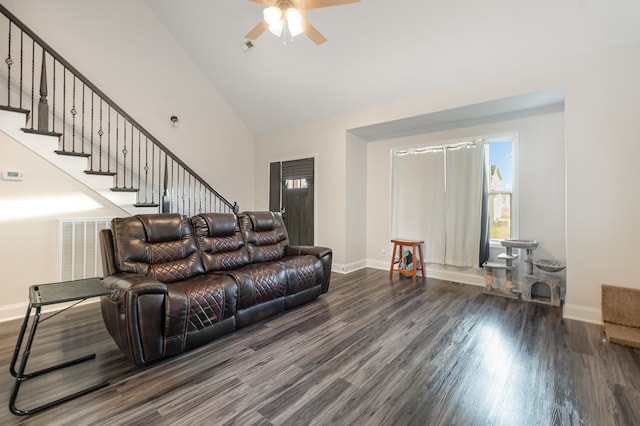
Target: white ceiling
x: 381, y: 51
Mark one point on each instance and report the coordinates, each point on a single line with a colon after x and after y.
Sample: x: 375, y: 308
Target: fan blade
x: 257, y: 30
x: 312, y: 32
x: 315, y: 4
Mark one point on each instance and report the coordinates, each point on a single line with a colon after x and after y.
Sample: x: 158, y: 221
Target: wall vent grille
x: 80, y: 248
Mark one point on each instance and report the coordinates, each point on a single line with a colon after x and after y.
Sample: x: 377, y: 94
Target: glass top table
x: 67, y: 291
x: 48, y: 294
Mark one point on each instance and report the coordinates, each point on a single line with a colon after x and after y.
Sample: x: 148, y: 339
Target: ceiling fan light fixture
x: 276, y: 28
x: 272, y: 15
x: 294, y: 21
x: 289, y: 16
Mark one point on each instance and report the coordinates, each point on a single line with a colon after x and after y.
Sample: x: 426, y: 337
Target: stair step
x: 41, y: 132
x: 497, y: 265
x: 99, y: 173
x: 45, y: 144
x: 124, y: 189
x: 73, y: 153
x: 14, y: 109
x: 507, y: 256
x: 146, y: 205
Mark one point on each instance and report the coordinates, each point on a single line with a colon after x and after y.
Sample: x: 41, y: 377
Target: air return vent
x: 79, y: 248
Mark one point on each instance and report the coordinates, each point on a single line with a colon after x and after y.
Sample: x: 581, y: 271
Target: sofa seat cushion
x: 196, y: 304
x: 259, y: 283
x: 303, y: 273
x: 261, y: 289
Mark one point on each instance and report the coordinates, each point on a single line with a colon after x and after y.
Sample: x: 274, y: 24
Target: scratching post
x: 621, y: 315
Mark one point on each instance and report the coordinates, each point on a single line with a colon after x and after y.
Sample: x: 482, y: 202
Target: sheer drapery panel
x: 437, y: 197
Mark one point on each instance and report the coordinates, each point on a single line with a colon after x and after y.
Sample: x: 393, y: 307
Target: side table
x: 417, y: 262
x: 39, y: 296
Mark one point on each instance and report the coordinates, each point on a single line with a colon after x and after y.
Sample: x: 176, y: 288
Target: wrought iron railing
x: 91, y: 125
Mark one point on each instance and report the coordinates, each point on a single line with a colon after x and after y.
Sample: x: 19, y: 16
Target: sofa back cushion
x: 264, y: 234
x: 158, y: 245
x: 220, y: 241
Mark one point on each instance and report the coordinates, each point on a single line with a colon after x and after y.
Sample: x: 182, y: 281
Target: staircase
x: 75, y: 126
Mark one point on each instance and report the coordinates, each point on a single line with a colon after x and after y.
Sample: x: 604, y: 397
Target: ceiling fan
x: 292, y: 13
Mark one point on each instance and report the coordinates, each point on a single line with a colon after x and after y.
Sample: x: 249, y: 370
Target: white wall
x: 29, y: 213
x: 325, y: 140
x: 355, y: 198
x: 603, y: 196
x: 601, y: 137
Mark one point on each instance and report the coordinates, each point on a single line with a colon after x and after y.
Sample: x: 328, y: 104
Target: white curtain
x: 437, y: 197
x: 418, y: 211
x: 464, y: 173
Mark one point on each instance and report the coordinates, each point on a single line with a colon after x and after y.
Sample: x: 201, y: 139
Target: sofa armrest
x: 323, y: 253
x: 318, y: 252
x: 135, y: 315
x: 135, y: 284
x: 106, y: 250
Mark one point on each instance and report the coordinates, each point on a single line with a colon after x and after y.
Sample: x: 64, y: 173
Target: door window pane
x: 296, y: 183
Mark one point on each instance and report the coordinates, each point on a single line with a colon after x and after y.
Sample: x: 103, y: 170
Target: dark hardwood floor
x: 369, y: 352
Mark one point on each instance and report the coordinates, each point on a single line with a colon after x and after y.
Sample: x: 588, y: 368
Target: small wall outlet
x: 383, y: 252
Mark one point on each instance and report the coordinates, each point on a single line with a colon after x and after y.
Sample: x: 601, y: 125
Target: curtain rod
x: 426, y: 149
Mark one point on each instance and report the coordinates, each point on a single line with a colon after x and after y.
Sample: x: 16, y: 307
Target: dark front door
x: 291, y: 192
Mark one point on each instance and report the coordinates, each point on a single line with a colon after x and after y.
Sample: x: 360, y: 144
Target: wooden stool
x: 417, y: 263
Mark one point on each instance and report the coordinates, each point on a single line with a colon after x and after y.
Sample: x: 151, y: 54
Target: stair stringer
x: 11, y: 123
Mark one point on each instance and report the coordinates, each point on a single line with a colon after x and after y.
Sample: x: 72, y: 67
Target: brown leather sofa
x: 182, y: 282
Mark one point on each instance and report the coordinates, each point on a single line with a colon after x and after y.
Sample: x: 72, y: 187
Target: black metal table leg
x: 21, y: 376
x: 12, y: 368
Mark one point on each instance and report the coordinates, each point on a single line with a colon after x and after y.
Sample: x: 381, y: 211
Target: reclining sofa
x: 182, y: 282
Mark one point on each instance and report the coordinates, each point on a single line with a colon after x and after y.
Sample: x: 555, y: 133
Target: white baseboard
x: 349, y: 267
x: 582, y: 313
x: 378, y: 264
x: 457, y: 277
x: 11, y: 312
x: 19, y: 310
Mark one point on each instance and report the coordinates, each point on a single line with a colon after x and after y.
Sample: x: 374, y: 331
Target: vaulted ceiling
x: 381, y: 51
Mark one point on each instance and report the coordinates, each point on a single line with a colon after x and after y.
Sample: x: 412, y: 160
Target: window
x: 296, y: 183
x: 500, y: 188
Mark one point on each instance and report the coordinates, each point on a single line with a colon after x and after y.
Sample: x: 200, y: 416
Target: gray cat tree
x: 506, y: 263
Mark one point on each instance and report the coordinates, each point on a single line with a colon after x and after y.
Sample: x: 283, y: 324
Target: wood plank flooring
x: 369, y: 352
